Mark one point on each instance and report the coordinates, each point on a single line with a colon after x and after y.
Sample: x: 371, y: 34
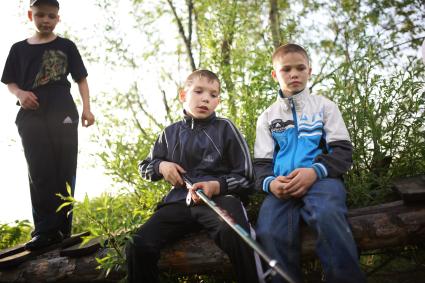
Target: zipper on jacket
x: 193, y: 124
x: 294, y: 115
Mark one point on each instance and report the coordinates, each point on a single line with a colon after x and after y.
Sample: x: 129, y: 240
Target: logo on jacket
x: 278, y: 125
x: 209, y: 158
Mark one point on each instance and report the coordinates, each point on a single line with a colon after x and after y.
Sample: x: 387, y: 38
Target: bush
x: 16, y: 233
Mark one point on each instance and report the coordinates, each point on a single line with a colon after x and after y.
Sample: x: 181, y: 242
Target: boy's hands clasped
x: 295, y: 185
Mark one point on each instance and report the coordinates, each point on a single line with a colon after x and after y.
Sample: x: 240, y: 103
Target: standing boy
x: 302, y: 149
x: 214, y: 155
x: 36, y: 73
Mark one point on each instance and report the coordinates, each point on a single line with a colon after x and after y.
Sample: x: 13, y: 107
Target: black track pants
x: 50, y: 141
x: 171, y: 221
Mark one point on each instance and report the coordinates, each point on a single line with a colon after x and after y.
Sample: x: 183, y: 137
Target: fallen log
x: 375, y: 227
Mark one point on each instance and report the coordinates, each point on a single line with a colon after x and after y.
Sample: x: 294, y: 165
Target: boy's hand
x: 210, y: 188
x: 301, y: 181
x: 87, y: 118
x: 27, y: 99
x: 172, y: 172
x: 277, y: 187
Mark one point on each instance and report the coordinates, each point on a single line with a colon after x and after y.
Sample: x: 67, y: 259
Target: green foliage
x: 384, y: 113
x: 402, y: 264
x: 13, y: 234
x: 113, y: 218
x: 395, y: 265
x: 385, y: 118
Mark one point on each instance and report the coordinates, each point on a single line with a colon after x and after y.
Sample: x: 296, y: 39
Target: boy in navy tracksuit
x: 214, y: 155
x: 36, y: 73
x: 302, y: 149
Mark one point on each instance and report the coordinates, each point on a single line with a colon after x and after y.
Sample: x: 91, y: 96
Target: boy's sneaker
x: 43, y: 240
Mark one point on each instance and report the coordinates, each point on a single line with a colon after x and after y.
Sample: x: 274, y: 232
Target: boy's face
x: 292, y: 71
x: 45, y: 18
x: 201, y: 98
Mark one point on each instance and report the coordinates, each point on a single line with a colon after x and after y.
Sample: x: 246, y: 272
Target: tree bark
x: 375, y: 227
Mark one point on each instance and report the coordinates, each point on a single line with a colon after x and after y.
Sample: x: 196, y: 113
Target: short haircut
x: 48, y: 2
x: 289, y: 48
x: 210, y: 76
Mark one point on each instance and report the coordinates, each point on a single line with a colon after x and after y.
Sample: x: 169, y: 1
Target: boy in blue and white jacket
x: 302, y: 149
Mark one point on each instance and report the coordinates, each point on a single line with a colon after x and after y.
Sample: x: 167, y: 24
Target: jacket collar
x: 198, y: 123
x: 297, y: 100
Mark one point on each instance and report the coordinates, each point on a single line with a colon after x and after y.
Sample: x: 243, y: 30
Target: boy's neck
x: 189, y: 116
x: 38, y: 38
x: 287, y: 95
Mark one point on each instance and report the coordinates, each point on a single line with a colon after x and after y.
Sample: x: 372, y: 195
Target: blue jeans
x: 323, y: 208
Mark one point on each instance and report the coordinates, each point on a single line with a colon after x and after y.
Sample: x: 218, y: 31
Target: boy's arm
x: 239, y: 178
x: 27, y: 99
x: 338, y: 159
x: 149, y: 168
x: 263, y: 155
x: 87, y: 118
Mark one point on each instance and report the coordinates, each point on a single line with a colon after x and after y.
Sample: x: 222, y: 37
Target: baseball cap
x: 51, y: 2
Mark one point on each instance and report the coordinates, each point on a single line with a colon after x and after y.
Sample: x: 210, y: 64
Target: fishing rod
x: 272, y: 263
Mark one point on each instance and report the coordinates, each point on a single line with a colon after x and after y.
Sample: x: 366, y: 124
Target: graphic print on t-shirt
x: 54, y: 64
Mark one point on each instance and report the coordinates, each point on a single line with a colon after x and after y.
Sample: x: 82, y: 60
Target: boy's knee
x: 332, y: 222
x: 268, y: 235
x: 225, y: 231
x: 139, y: 247
x: 328, y: 216
x: 129, y: 249
x: 333, y: 186
x: 230, y: 204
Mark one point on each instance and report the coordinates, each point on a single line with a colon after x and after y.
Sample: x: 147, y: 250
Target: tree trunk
x: 375, y: 227
x: 274, y: 22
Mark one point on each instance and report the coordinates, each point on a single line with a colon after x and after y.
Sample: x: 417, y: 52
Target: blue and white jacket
x: 208, y: 149
x: 302, y: 131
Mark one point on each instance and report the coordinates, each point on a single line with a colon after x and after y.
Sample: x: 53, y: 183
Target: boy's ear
x: 29, y: 15
x: 182, y: 95
x: 273, y: 73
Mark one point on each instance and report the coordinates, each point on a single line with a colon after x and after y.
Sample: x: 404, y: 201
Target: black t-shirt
x: 33, y: 66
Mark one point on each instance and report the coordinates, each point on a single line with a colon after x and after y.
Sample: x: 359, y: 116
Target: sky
x: 15, y: 201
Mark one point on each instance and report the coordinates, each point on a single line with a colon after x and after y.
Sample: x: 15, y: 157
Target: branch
x: 319, y: 78
x: 405, y: 42
x: 167, y: 108
x: 140, y: 104
x: 189, y: 25
x: 139, y: 126
x: 186, y: 39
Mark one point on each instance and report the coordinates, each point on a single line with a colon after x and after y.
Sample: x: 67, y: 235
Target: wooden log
x: 411, y: 189
x: 387, y: 225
